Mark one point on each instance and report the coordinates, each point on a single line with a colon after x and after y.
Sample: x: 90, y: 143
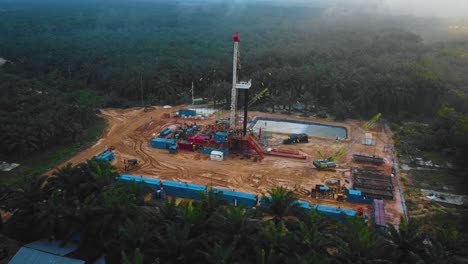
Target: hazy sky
x: 439, y: 8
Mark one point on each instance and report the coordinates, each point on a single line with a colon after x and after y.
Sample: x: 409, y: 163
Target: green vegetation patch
x: 43, y: 161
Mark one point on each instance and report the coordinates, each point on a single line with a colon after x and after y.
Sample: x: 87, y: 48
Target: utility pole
x: 193, y: 102
x: 141, y: 89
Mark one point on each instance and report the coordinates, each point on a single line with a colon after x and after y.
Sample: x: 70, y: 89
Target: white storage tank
x: 216, y: 155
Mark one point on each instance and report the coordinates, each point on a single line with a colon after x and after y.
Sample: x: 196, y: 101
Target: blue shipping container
x: 303, y: 204
x: 333, y: 212
x: 166, y: 132
x: 220, y: 137
x: 154, y: 183
x: 183, y: 190
x: 354, y: 192
x: 246, y: 199
x: 186, y: 112
x: 106, y: 155
x: 162, y: 143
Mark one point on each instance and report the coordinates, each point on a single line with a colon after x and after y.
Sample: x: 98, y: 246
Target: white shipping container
x: 216, y: 155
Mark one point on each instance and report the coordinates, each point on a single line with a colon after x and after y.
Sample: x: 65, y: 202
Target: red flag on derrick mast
x: 236, y: 37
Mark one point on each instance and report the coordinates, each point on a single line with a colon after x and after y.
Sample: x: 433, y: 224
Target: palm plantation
x: 115, y: 219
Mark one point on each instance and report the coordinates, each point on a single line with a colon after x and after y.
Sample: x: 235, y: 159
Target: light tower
x: 235, y: 85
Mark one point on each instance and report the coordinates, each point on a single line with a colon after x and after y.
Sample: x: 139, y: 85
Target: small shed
x: 216, y: 155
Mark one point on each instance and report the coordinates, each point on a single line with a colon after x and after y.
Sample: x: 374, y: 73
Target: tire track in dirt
x: 157, y: 167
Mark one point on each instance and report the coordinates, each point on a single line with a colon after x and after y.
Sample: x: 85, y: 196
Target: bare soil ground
x: 130, y: 131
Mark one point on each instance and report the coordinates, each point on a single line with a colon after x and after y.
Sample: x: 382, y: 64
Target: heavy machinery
x: 130, y: 164
x: 368, y: 125
x: 296, y: 138
x: 258, y: 96
x: 324, y: 163
x: 330, y: 162
x: 148, y: 108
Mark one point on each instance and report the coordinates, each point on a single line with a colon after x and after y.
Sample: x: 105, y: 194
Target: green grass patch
x: 45, y: 160
x: 436, y: 156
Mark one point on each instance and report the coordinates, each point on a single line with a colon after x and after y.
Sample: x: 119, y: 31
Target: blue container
x: 186, y: 112
x: 355, y: 196
x: 303, y: 204
x: 354, y: 192
x: 334, y: 213
x: 195, y: 128
x: 247, y: 199
x: 166, y: 132
x: 184, y: 190
x: 153, y: 183
x: 106, y: 155
x: 324, y: 188
x: 220, y: 137
x: 173, y: 149
x: 189, y: 131
x: 162, y: 143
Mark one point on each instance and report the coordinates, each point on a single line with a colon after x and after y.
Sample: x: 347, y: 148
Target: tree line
x: 83, y: 204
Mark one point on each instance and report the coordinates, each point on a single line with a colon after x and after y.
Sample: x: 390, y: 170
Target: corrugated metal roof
x: 52, y: 247
x: 33, y: 256
x: 379, y: 212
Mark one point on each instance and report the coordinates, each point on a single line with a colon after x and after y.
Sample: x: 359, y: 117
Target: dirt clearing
x: 130, y: 131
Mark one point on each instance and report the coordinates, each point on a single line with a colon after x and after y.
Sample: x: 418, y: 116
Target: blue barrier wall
x: 183, y: 190
x: 246, y: 199
x: 192, y: 191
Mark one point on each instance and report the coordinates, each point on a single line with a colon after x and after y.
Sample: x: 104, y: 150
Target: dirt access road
x: 130, y: 130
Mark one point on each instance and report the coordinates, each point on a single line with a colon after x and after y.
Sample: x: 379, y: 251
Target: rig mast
x: 236, y: 85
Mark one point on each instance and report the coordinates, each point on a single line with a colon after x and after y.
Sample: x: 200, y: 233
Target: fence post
x: 395, y: 169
